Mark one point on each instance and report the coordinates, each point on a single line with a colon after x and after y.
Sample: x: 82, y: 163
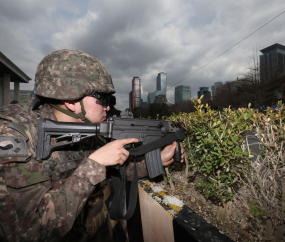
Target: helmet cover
x: 71, y: 75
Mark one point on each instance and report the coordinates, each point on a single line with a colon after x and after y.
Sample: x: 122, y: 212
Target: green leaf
x: 235, y: 138
x: 215, y: 153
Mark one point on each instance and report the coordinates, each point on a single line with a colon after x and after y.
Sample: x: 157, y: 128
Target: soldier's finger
x: 125, y: 153
x: 128, y: 141
x: 168, y: 162
x: 122, y: 159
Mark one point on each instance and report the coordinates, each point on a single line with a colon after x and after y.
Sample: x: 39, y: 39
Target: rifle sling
x: 119, y: 183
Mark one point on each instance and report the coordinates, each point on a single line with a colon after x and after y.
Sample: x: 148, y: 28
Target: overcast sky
x: 143, y: 38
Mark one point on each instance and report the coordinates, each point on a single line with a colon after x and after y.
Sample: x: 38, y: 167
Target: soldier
x: 45, y: 200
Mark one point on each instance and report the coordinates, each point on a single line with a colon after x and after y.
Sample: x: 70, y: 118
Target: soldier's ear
x: 70, y: 105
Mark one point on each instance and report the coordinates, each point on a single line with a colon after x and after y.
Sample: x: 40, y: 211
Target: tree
x: 182, y: 107
x: 258, y: 86
x: 140, y: 112
x: 227, y: 95
x: 261, y: 86
x: 157, y: 110
x: 154, y: 111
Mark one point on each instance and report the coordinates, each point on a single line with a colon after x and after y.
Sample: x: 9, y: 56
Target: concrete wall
x: 17, y: 91
x: 165, y: 218
x: 6, y: 89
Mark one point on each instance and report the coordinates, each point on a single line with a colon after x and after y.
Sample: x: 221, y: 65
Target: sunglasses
x: 104, y: 97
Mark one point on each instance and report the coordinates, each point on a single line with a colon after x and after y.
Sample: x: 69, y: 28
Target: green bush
x: 217, y: 150
x: 213, y: 145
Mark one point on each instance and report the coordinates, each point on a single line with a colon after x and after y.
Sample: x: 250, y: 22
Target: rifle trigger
x: 128, y: 146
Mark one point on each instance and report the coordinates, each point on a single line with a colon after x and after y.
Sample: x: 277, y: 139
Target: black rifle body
x: 152, y: 134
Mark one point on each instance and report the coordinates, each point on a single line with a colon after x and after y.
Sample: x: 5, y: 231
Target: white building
x: 9, y: 72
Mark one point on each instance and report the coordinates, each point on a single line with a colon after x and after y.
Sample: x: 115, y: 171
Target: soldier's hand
x: 168, y: 152
x: 113, y: 153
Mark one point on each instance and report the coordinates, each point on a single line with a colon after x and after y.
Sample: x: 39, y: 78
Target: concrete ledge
x: 166, y: 218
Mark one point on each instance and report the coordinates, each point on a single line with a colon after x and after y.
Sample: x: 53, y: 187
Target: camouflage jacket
x: 40, y: 199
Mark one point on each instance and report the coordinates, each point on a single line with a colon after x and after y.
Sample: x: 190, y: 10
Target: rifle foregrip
x: 177, y: 154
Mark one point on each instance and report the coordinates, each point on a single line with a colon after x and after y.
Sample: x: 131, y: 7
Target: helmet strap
x: 83, y: 112
x: 72, y: 114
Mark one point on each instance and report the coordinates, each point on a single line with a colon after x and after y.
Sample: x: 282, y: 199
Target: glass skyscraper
x: 161, y: 85
x: 144, y: 99
x: 151, y: 97
x: 272, y: 61
x: 204, y: 91
x: 182, y: 93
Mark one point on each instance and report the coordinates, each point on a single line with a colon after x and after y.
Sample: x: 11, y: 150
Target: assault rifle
x: 152, y: 135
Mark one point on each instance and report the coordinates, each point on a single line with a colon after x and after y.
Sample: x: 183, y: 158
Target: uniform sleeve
x: 141, y: 168
x: 46, y: 211
x: 32, y: 207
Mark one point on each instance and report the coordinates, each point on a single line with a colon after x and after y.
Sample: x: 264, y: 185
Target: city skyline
x: 139, y: 99
x: 180, y: 39
x: 272, y: 60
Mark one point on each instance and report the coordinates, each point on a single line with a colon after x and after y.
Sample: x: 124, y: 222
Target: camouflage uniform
x: 40, y: 200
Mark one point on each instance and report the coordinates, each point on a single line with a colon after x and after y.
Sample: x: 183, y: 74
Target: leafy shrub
x: 217, y: 149
x: 213, y: 145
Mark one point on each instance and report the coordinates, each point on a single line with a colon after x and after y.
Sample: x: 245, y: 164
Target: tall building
x: 130, y: 100
x: 144, y: 99
x: 160, y: 99
x: 272, y: 61
x: 138, y: 99
x: 151, y: 97
x: 161, y: 85
x: 215, y: 88
x: 135, y: 94
x: 204, y: 91
x: 182, y: 93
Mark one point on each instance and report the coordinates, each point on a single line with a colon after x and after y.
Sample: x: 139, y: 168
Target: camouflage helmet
x: 71, y: 75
